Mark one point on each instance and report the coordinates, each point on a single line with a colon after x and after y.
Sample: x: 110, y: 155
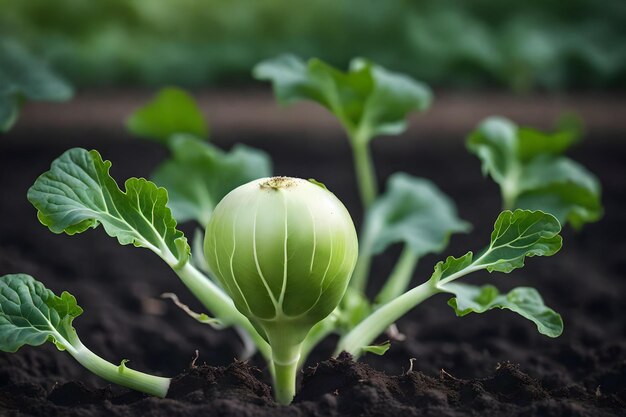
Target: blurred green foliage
x: 546, y: 44
x: 24, y: 77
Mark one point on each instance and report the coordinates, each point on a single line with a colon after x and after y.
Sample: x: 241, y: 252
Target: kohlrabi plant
x: 277, y: 258
x: 284, y: 250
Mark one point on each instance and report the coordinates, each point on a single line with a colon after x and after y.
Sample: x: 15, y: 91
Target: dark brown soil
x: 493, y: 364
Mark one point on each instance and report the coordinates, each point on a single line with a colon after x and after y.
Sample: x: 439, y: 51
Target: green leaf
x: 522, y: 300
x: 563, y: 188
x: 452, y: 266
x: 379, y: 350
x: 494, y: 142
x: 516, y: 235
x: 532, y: 173
x: 199, y: 175
x: 78, y: 193
x: 30, y: 314
x: 22, y: 76
x: 532, y: 143
x: 413, y: 211
x: 172, y: 111
x: 366, y: 98
x: 520, y: 234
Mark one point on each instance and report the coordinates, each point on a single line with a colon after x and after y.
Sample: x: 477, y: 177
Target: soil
x: 494, y: 364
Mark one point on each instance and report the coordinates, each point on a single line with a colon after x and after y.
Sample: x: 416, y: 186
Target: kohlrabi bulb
x: 284, y: 250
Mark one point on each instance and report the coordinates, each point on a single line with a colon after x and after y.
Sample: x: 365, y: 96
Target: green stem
x: 219, y: 303
x: 368, y: 189
x: 509, y: 187
x: 400, y: 277
x: 285, y: 382
x: 509, y: 199
x: 119, y: 374
x: 384, y: 316
x: 285, y: 360
x: 285, y: 337
x: 365, y: 174
x: 366, y: 332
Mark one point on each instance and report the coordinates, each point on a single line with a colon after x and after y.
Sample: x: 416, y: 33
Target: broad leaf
x: 532, y: 143
x: 523, y: 300
x: 561, y: 187
x: 520, y: 234
x: 367, y: 98
x: 78, y: 193
x: 532, y: 174
x: 172, y: 111
x: 199, y: 175
x: 412, y: 211
x: 495, y: 143
x: 30, y: 314
x: 24, y: 77
x: 516, y: 235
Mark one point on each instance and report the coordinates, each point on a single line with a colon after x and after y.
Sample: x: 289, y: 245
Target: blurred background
x: 532, y: 61
x: 519, y: 46
x: 552, y: 56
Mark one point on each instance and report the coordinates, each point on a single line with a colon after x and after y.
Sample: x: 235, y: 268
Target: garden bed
x: 494, y: 364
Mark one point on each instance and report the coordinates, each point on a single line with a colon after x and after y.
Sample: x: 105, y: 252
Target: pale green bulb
x: 284, y: 250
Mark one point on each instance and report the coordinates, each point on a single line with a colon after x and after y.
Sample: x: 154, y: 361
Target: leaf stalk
x: 119, y: 374
x: 400, y: 277
x: 366, y: 332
